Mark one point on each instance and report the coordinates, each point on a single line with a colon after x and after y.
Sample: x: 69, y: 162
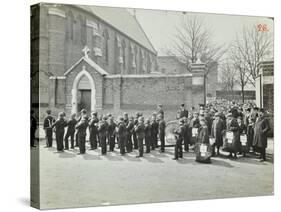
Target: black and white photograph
x: 133, y: 106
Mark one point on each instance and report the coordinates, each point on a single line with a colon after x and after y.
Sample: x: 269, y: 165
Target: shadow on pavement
x: 152, y: 159
x: 91, y: 157
x: 67, y: 155
x: 221, y: 163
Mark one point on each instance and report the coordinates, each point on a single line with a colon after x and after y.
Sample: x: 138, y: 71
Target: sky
x: 159, y: 26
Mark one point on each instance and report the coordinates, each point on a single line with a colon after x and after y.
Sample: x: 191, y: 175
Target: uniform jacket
x: 71, y: 125
x: 180, y: 132
x: 154, y: 128
x: 130, y: 128
x: 48, y: 122
x: 140, y: 131
x: 81, y: 127
x: 147, y: 130
x: 121, y: 130
x: 183, y: 113
x: 93, y: 125
x: 111, y: 129
x: 102, y: 129
x: 59, y: 125
x: 260, y: 132
x: 161, y: 127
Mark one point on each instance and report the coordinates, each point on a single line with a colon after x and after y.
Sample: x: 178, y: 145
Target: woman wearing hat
x: 203, y: 149
x: 232, y: 145
x: 216, y: 132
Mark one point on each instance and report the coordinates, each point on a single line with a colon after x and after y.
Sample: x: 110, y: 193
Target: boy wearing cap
x: 48, y: 122
x: 161, y: 132
x: 81, y: 128
x: 140, y: 133
x: 59, y: 125
x: 179, y: 133
x: 102, y: 130
x: 147, y: 138
x: 70, y: 132
x: 129, y: 130
x: 111, y: 133
x: 93, y: 128
x: 154, y: 132
x: 121, y: 132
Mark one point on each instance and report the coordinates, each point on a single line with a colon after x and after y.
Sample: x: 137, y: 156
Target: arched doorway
x: 83, y: 92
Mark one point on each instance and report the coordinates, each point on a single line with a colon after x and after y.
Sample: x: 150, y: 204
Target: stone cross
x: 86, y: 50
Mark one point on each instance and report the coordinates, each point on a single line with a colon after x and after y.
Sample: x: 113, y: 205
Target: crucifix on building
x: 86, y: 51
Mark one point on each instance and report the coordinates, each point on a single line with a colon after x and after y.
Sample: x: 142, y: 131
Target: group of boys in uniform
x: 131, y: 133
x: 127, y: 132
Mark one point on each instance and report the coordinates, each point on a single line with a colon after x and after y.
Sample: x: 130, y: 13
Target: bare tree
x: 253, y: 46
x: 240, y: 69
x: 192, y: 41
x: 228, y: 77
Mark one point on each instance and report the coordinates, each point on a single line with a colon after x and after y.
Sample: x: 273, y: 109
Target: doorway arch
x: 75, y: 90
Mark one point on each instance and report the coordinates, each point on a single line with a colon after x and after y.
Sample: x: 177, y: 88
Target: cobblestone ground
x: 71, y: 180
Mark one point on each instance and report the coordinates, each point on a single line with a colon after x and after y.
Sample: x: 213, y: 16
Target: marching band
x: 236, y: 129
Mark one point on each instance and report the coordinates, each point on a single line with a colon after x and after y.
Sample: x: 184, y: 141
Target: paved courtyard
x: 71, y: 180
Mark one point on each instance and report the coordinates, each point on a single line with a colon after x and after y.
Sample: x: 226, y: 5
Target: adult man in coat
x: 260, y: 134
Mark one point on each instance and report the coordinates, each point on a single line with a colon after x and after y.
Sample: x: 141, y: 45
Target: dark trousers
x: 129, y: 145
x: 178, y: 149
x: 103, y: 144
x: 76, y: 140
x: 147, y: 144
x: 186, y: 144
x: 32, y: 137
x: 111, y: 142
x: 135, y: 141
x: 49, y: 137
x: 82, y: 143
x: 71, y: 135
x: 162, y: 140
x: 154, y: 144
x: 59, y: 140
x: 93, y: 140
x: 122, y: 141
x: 140, y: 146
x: 263, y: 153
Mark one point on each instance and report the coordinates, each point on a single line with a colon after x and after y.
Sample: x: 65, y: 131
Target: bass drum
x: 203, y: 152
x: 170, y: 137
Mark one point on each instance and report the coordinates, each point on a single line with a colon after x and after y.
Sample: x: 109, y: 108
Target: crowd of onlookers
x: 219, y: 125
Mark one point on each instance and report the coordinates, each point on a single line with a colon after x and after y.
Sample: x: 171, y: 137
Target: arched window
x: 124, y: 53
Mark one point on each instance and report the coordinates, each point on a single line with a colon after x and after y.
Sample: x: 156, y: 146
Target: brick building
x: 172, y: 65
x: 99, y: 58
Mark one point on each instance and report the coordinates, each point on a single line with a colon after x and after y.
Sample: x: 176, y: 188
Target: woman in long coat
x: 216, y: 132
x: 260, y: 134
x: 232, y: 126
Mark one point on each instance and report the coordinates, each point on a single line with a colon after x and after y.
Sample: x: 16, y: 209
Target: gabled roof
x: 90, y: 62
x: 123, y: 21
